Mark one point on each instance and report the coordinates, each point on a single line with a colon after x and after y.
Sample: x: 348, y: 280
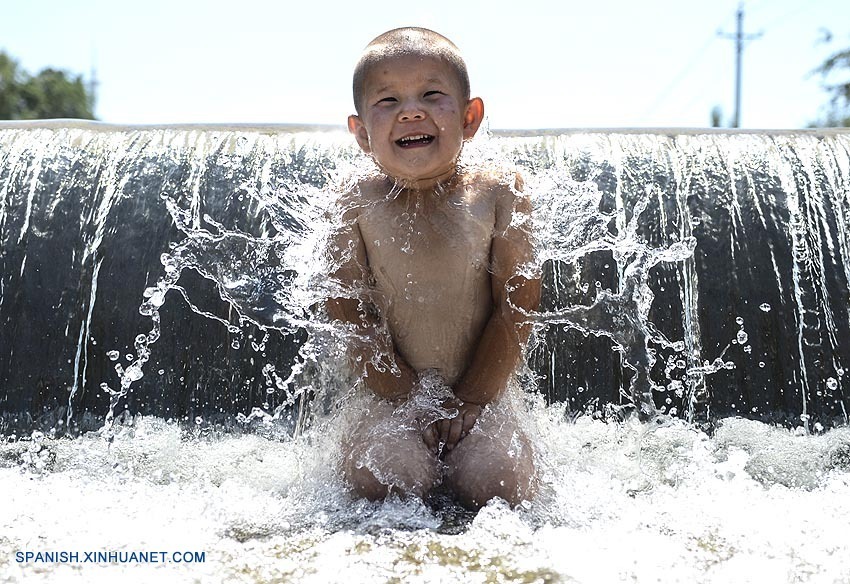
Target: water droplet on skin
x: 761, y: 364
x: 695, y: 221
x: 742, y: 337
x: 161, y: 371
x: 128, y: 356
x: 765, y: 307
x: 113, y: 355
x: 748, y: 349
x: 832, y: 383
x: 740, y: 320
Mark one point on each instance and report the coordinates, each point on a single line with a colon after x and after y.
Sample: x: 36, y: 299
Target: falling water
x: 162, y: 287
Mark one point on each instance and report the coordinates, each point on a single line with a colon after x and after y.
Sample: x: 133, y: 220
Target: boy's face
x: 414, y: 118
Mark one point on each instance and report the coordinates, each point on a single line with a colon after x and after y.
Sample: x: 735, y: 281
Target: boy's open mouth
x: 416, y: 140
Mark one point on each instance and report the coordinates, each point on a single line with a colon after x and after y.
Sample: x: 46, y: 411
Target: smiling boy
x: 432, y: 255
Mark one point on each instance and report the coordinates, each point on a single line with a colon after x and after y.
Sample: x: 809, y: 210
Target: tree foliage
x: 835, y: 75
x: 49, y: 94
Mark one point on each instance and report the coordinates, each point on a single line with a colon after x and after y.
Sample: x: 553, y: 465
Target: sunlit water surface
x: 618, y: 502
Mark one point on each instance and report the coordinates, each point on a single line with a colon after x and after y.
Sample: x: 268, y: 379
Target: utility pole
x: 739, y: 38
x: 93, y: 83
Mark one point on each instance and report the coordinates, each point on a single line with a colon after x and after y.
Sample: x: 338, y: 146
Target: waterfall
x: 167, y: 270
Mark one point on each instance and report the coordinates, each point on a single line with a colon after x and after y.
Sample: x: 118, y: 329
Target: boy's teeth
x: 413, y: 139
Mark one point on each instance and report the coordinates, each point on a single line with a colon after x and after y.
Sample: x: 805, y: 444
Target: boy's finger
x: 469, y: 420
x: 454, y: 432
x: 445, y: 425
x: 429, y: 437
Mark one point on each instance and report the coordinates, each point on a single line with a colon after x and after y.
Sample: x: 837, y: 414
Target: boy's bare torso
x: 442, y: 264
x: 429, y: 255
x: 442, y: 268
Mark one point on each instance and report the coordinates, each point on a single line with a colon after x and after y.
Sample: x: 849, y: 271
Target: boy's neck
x: 436, y: 185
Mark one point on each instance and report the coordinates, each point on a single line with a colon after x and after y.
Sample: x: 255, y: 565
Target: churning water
x: 168, y: 384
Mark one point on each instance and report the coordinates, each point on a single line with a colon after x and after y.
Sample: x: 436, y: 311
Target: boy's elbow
x: 523, y: 297
x: 333, y: 308
x: 343, y: 309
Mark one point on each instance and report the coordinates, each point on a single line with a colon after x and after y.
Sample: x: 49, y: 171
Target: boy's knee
x: 475, y: 495
x: 480, y: 472
x: 408, y: 469
x: 365, y: 485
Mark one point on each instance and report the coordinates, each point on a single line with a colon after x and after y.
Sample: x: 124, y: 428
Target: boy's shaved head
x: 401, y: 42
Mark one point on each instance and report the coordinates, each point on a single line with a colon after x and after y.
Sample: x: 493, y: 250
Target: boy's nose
x: 411, y: 114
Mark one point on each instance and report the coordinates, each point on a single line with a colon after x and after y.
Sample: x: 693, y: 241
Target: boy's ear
x: 358, y: 128
x: 472, y: 117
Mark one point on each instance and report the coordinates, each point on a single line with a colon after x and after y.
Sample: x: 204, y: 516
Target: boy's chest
x: 428, y: 241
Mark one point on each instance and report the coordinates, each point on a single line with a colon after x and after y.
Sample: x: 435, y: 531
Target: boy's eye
x: 433, y: 93
x: 387, y: 100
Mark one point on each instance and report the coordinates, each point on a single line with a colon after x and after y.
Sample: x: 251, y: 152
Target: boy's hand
x: 449, y: 431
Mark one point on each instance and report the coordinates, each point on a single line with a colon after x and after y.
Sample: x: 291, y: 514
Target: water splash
x: 650, y: 244
x: 216, y: 234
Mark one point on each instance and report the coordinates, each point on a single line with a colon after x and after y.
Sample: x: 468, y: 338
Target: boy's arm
x: 500, y: 347
x: 352, y: 274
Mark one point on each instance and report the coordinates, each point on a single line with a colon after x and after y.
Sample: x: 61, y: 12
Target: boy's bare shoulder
x: 495, y: 180
x: 506, y: 190
x: 362, y: 195
x: 504, y: 186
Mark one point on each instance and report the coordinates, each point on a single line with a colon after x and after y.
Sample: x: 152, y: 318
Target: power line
x: 685, y: 71
x: 739, y: 38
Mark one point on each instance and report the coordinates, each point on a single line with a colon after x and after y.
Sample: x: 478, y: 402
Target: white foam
x: 752, y: 503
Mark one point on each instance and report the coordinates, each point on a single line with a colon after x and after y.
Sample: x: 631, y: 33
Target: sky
x: 536, y: 64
